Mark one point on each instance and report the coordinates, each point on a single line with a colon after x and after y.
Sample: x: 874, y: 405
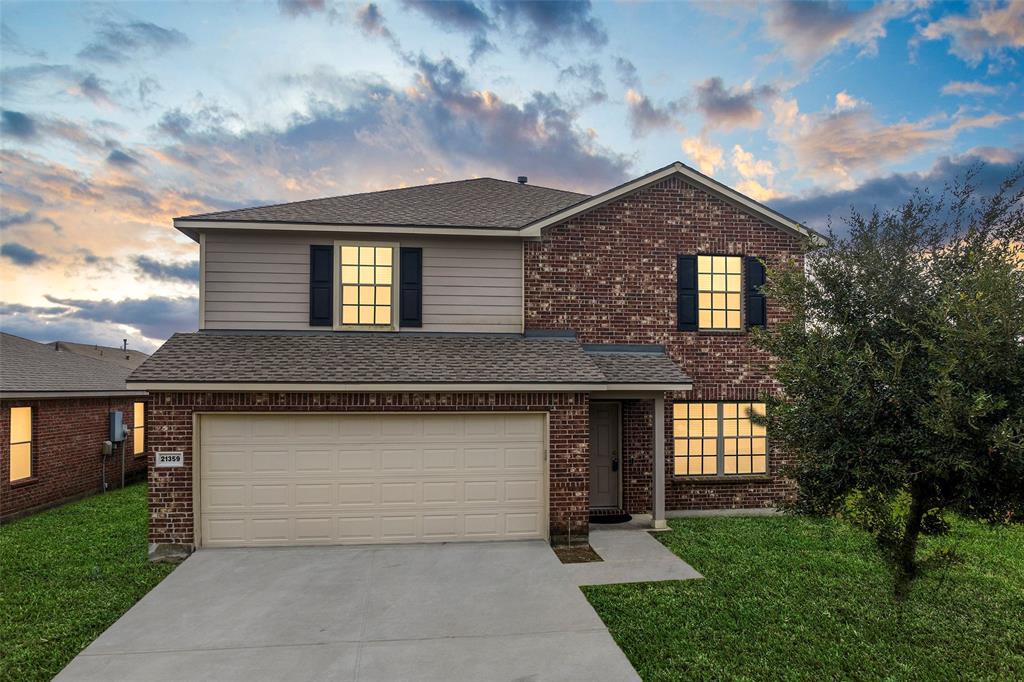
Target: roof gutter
x: 192, y: 228
x: 10, y: 395
x: 204, y: 387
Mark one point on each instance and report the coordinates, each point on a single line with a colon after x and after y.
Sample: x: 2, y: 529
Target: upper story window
x: 21, y: 443
x: 366, y: 286
x: 719, y: 292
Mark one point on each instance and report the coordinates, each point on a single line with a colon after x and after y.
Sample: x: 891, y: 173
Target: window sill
x: 717, y: 480
x: 22, y: 482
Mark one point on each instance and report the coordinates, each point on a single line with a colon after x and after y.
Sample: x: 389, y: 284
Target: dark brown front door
x: 605, y: 462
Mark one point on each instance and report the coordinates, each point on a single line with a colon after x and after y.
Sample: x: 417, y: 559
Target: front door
x: 604, y: 454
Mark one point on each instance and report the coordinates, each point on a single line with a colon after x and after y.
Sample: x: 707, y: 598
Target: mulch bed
x: 578, y: 554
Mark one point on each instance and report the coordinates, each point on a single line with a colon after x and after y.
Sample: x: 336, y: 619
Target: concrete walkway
x: 631, y: 555
x: 481, y: 611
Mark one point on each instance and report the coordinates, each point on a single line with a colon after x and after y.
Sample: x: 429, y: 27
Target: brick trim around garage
x: 172, y: 513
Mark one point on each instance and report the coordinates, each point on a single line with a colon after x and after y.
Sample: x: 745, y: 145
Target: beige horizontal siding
x: 261, y: 281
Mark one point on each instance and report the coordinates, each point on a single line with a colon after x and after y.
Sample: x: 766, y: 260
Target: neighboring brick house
x: 467, y: 361
x: 55, y: 405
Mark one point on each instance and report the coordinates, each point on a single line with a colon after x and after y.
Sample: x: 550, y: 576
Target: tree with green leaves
x: 901, y: 365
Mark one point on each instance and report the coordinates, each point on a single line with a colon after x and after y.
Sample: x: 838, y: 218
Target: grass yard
x: 802, y: 599
x: 66, y: 574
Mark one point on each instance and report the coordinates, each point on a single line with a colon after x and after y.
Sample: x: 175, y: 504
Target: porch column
x: 658, y: 509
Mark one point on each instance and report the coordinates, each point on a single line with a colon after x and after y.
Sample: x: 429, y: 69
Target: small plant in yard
x: 902, y: 369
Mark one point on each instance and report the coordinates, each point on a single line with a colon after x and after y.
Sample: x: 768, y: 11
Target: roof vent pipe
x: 521, y: 179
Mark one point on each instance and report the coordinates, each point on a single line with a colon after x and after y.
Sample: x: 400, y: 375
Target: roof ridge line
x: 197, y: 216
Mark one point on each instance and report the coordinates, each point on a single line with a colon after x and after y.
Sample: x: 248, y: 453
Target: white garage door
x: 370, y: 478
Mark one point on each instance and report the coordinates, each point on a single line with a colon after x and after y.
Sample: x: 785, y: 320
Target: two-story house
x: 474, y: 360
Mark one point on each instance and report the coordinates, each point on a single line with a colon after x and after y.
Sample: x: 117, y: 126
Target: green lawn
x: 66, y: 574
x: 801, y: 599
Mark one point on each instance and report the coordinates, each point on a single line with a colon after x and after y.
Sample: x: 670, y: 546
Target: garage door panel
x: 313, y: 495
x: 276, y: 461
x: 404, y: 459
x: 483, y: 458
x: 357, y: 493
x: 522, y: 457
x: 524, y: 523
x: 226, y: 496
x: 399, y: 527
x: 522, y: 491
x: 440, y: 492
x: 443, y: 426
x: 358, y: 529
x: 399, y: 493
x: 219, y: 460
x: 314, y: 461
x: 357, y: 460
x: 271, y: 495
x: 330, y: 478
x: 440, y: 459
x: 441, y: 526
x: 272, y: 428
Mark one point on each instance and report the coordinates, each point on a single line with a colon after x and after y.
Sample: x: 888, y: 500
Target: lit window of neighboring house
x: 139, y: 429
x: 719, y: 439
x: 366, y: 286
x: 21, y: 443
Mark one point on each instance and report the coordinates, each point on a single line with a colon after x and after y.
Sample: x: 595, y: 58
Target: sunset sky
x: 118, y: 117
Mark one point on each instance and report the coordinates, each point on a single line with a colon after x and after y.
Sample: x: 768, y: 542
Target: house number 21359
x: 170, y: 459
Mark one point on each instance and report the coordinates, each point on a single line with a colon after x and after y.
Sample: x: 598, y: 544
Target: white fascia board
x: 207, y: 387
x: 189, y: 227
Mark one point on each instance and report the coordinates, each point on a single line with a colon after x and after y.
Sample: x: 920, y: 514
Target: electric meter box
x: 116, y: 426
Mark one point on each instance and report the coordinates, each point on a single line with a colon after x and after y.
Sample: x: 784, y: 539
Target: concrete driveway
x: 481, y: 611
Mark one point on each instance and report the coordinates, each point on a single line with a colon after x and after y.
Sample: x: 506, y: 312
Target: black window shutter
x: 321, y: 286
x: 757, y: 309
x: 410, y: 289
x: 686, y: 292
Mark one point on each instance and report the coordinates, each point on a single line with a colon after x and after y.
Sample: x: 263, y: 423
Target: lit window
x: 719, y: 439
x: 367, y: 276
x: 21, y: 443
x: 139, y: 429
x: 719, y: 292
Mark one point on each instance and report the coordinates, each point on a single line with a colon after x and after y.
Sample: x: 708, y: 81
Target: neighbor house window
x: 719, y: 439
x: 367, y: 285
x: 139, y: 429
x: 21, y: 443
x: 719, y: 292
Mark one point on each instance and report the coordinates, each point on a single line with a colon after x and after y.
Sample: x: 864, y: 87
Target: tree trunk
x: 906, y: 552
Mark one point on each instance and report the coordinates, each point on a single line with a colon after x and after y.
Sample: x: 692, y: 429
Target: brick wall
x: 637, y: 455
x: 610, y: 276
x: 170, y: 491
x: 67, y: 436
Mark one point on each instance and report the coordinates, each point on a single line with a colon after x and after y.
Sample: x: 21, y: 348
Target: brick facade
x: 610, y: 276
x: 67, y: 437
x: 172, y: 513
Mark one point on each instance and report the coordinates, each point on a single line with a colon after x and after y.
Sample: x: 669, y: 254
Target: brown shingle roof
x: 632, y: 367
x: 38, y: 368
x: 353, y: 358
x: 484, y: 202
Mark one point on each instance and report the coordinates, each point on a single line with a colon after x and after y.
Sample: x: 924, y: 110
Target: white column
x: 658, y: 515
